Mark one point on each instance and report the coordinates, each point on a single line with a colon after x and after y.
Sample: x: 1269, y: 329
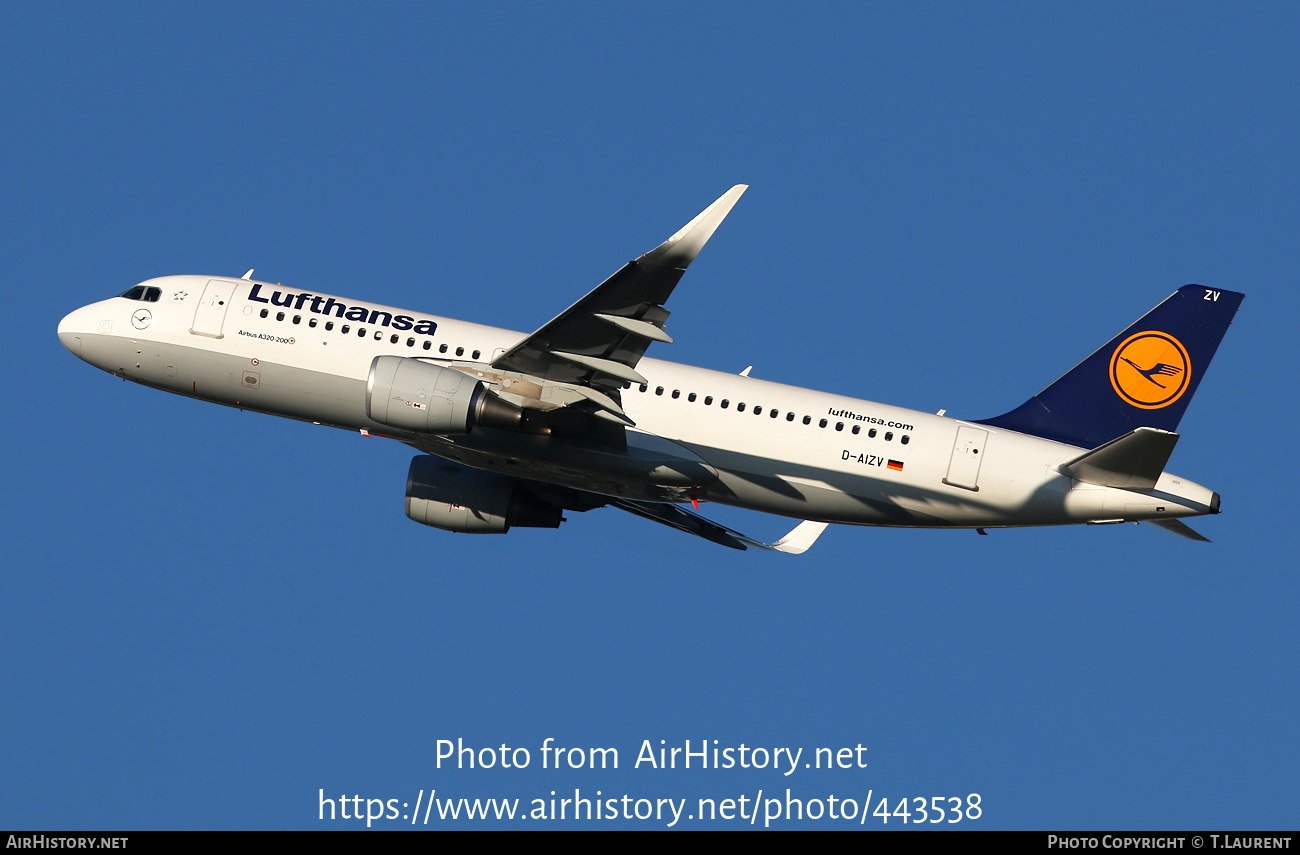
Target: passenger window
x: 460, y: 351
x: 442, y: 348
x: 265, y: 312
x: 821, y: 423
x: 644, y: 387
x: 345, y: 329
x: 379, y: 334
x: 740, y: 408
x: 773, y: 413
x: 839, y: 425
x: 691, y: 397
x: 311, y: 322
x: 279, y: 316
x: 677, y: 393
x: 329, y: 325
x: 904, y: 439
x: 297, y: 319
x: 758, y: 411
x: 410, y: 342
x: 857, y: 429
x: 427, y: 344
x: 888, y: 436
x: 872, y: 433
x: 361, y: 332
x: 392, y: 339
x: 475, y: 354
x: 807, y: 420
x: 789, y: 417
x: 659, y: 390
x: 708, y: 400
x: 724, y: 403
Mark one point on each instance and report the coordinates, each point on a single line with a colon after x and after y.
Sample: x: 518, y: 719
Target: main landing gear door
x: 211, y: 312
x: 967, y: 453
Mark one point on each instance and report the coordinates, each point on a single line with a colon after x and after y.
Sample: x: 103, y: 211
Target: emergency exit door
x: 967, y: 455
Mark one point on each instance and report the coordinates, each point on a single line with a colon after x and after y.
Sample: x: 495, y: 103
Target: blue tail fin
x: 1144, y: 377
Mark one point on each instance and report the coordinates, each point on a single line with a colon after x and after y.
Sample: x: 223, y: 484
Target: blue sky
x: 213, y: 615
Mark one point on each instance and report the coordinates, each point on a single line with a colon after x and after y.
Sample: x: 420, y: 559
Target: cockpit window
x: 140, y: 292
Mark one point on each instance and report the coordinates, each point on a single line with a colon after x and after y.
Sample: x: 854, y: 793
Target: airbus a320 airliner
x: 515, y: 429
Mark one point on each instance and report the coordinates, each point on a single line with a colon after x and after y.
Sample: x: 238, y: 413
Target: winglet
x: 599, y: 339
x: 796, y: 542
x: 801, y: 538
x: 681, y: 249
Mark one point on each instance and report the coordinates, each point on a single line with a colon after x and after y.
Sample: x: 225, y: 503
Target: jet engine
x: 407, y: 393
x: 456, y: 498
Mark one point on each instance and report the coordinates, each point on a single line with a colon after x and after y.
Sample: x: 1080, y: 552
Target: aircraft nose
x: 72, y: 329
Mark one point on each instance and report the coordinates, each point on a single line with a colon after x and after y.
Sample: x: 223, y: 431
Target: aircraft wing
x: 597, y: 342
x: 798, y: 541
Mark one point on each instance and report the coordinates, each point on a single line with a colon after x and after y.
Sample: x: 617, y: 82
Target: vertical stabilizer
x: 1144, y: 377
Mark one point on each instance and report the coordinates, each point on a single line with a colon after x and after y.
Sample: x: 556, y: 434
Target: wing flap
x: 645, y: 329
x: 610, y: 367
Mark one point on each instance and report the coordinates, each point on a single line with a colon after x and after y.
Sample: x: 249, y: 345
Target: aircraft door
x: 211, y: 312
x: 967, y: 454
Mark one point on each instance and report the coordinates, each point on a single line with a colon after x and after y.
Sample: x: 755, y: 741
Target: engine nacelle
x: 413, y: 395
x: 456, y: 498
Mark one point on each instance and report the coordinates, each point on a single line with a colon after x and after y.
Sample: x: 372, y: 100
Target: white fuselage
x: 771, y: 447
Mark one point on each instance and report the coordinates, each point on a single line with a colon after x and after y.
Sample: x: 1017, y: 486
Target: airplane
x: 513, y: 430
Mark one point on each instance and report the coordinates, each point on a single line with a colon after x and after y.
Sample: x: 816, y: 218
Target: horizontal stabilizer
x: 1181, y: 529
x: 1134, y: 461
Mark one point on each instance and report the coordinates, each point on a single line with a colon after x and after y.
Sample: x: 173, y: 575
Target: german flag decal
x: 896, y: 465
